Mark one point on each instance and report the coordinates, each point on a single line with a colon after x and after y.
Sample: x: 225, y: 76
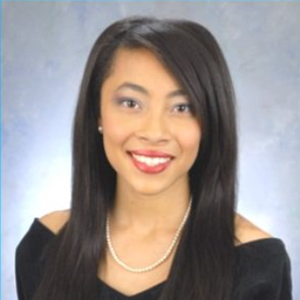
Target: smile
x: 150, y: 162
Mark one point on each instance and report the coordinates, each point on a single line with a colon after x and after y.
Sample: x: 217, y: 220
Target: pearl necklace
x: 159, y: 261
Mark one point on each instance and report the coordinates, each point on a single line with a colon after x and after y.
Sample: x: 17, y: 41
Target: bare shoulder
x: 246, y: 231
x: 54, y: 221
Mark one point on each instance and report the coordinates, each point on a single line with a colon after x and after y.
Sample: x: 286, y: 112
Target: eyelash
x: 127, y: 102
x: 187, y: 106
x: 133, y: 104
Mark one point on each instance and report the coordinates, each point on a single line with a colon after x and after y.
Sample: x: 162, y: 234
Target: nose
x: 153, y: 128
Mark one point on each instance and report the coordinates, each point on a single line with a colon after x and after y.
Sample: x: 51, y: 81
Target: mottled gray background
x: 44, y: 49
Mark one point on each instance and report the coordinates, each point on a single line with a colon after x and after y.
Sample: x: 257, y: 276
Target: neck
x: 145, y: 213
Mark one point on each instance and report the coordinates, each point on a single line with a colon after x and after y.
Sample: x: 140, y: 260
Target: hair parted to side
x: 203, y: 266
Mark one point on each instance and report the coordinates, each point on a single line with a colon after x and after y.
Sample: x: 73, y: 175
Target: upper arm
x: 285, y: 292
x: 54, y: 221
x: 30, y: 250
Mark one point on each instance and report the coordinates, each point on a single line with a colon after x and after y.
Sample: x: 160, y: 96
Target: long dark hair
x: 203, y: 267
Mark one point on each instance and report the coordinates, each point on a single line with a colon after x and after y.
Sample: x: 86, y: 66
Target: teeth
x: 151, y: 161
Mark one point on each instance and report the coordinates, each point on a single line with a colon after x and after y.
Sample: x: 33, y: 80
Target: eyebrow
x: 142, y: 90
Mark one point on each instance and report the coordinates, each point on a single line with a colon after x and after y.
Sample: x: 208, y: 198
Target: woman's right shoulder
x: 55, y: 220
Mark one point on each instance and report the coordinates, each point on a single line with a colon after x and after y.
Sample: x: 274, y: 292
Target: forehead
x: 140, y: 66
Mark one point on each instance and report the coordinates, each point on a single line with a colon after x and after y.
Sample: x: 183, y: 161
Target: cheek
x: 114, y: 137
x: 115, y: 131
x: 190, y: 140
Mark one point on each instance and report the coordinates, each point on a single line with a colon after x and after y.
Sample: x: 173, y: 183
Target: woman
x: 154, y: 172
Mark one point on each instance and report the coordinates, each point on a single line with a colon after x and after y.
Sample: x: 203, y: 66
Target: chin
x: 149, y: 190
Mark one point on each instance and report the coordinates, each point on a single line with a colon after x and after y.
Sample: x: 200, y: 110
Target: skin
x: 148, y: 207
x: 153, y: 119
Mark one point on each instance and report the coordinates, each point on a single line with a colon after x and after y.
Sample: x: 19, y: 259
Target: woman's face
x: 151, y: 138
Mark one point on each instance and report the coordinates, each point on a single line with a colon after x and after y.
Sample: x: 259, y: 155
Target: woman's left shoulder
x: 247, y: 232
x: 264, y: 267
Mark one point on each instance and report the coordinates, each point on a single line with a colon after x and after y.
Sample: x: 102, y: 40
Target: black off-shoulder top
x: 264, y: 270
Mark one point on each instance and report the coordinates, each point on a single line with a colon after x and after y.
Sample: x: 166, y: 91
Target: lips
x: 151, y: 162
x: 151, y: 153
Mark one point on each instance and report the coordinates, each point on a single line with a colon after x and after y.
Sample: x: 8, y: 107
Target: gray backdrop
x: 44, y: 49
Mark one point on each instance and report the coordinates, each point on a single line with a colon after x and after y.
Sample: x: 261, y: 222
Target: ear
x: 100, y: 129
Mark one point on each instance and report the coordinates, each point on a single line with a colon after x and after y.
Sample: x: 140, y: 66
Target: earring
x: 100, y: 129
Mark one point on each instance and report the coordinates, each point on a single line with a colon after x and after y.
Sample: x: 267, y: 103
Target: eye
x: 129, y: 103
x: 183, y: 108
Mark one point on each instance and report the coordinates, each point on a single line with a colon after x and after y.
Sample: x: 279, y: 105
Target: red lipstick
x: 150, y: 162
x: 151, y: 153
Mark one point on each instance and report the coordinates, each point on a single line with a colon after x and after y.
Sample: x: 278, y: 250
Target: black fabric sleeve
x: 28, y: 260
x: 285, y: 288
x: 264, y: 271
x: 279, y: 272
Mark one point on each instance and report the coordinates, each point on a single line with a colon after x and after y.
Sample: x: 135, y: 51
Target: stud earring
x: 100, y: 129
